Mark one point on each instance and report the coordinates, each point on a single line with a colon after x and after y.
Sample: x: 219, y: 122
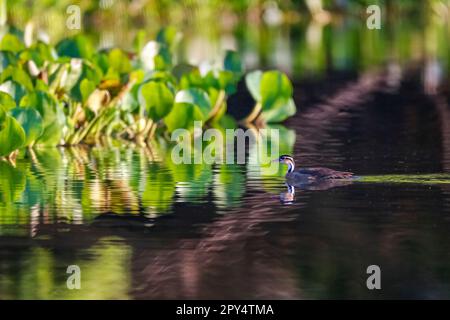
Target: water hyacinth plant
x: 71, y: 93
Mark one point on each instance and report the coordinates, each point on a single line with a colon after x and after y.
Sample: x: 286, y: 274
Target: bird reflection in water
x: 288, y: 197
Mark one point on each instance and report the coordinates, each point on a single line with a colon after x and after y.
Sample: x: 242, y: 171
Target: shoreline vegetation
x: 71, y: 93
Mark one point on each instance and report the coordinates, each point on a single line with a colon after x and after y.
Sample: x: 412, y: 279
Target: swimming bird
x: 304, y: 176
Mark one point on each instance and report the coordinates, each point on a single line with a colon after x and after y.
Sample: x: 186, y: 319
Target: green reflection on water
x: 438, y: 178
x: 76, y: 185
x: 105, y: 273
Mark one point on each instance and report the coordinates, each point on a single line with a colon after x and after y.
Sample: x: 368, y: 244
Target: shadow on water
x: 140, y: 227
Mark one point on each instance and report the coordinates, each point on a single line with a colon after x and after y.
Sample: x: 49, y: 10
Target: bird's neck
x: 291, y: 166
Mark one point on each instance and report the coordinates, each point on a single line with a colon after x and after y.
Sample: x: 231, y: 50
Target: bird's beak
x: 276, y: 160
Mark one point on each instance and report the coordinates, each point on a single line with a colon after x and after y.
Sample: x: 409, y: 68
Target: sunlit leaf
x: 6, y: 101
x: 157, y: 99
x: 12, y: 135
x: 31, y: 122
x: 183, y: 116
x: 195, y: 97
x: 53, y: 118
x: 253, y: 82
x: 11, y: 43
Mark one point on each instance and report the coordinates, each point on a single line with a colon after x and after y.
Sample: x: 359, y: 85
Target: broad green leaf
x: 183, y: 116
x: 139, y: 40
x: 14, y: 90
x: 280, y: 112
x: 31, y: 122
x: 6, y: 101
x: 53, y: 118
x: 41, y: 53
x: 181, y: 70
x: 157, y: 99
x: 253, y: 82
x: 12, y: 135
x: 227, y: 81
x: 232, y: 62
x: 17, y: 75
x: 197, y: 97
x: 119, y: 61
x: 273, y: 90
x: 2, y: 116
x: 7, y: 59
x: 11, y: 43
x: 52, y: 135
x: 169, y: 36
x: 86, y: 88
x: 275, y: 86
x: 75, y: 47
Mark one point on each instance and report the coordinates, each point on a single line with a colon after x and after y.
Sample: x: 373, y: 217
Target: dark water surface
x: 140, y: 227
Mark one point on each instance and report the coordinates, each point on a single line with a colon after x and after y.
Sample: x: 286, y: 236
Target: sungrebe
x: 311, y: 175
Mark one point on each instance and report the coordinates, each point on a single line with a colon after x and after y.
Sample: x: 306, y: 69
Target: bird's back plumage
x: 318, y: 174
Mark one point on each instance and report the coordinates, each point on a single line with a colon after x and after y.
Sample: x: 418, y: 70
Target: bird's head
x: 285, y: 159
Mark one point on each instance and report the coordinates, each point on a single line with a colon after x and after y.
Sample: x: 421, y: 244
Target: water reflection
x: 288, y: 197
x: 140, y: 227
x: 76, y: 185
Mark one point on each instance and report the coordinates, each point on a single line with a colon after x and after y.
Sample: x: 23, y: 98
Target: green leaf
x: 183, y: 116
x: 75, y: 47
x: 253, y: 82
x: 157, y: 99
x: 227, y: 81
x: 11, y: 43
x: 17, y: 75
x: 139, y: 40
x: 196, y: 97
x: 168, y: 36
x: 12, y: 135
x: 275, y: 86
x: 155, y: 56
x: 75, y: 69
x: 232, y: 62
x: 273, y: 90
x: 40, y: 52
x: 6, y: 101
x: 119, y: 61
x: 2, y: 116
x: 13, y: 89
x: 280, y: 112
x: 52, y: 135
x: 31, y: 122
x: 86, y: 88
x: 53, y: 118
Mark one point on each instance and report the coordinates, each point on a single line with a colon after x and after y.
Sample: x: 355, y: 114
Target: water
x: 140, y: 227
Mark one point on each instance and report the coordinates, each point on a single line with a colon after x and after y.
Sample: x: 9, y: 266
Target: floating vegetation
x: 437, y: 178
x: 71, y: 93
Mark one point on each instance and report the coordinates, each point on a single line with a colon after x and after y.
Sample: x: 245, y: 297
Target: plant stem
x: 254, y: 114
x: 219, y: 103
